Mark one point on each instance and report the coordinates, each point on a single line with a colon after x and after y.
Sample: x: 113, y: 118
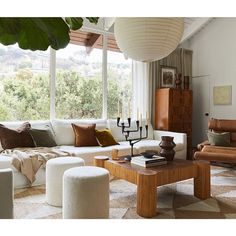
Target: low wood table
x: 148, y: 179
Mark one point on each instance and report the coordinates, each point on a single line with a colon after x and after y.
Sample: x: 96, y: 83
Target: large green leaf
x: 93, y: 20
x: 39, y: 33
x: 74, y: 22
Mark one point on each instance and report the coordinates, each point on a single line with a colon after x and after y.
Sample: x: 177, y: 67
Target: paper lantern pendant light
x: 148, y: 38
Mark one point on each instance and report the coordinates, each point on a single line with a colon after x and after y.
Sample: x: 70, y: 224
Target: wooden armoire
x: 174, y: 112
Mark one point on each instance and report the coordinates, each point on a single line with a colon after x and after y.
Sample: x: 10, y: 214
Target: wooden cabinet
x: 174, y: 112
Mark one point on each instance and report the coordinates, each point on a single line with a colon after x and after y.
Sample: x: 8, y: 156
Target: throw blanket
x: 29, y: 160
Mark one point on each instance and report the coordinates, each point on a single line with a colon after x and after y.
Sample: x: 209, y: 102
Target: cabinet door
x: 177, y: 99
x: 176, y: 111
x: 187, y: 114
x: 162, y: 109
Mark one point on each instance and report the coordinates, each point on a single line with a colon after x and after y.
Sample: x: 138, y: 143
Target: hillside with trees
x: 24, y: 86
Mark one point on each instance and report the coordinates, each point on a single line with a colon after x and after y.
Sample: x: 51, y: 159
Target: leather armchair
x: 218, y: 153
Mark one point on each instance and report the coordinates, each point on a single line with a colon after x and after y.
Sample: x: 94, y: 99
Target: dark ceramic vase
x: 167, y: 147
x: 178, y: 81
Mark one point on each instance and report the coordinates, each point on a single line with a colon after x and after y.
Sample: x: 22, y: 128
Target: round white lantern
x: 148, y: 38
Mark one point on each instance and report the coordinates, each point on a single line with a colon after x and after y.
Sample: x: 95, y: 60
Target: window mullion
x: 104, y: 77
x: 52, y: 83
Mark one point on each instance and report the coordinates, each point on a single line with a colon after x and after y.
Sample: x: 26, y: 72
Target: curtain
x: 140, y: 88
x: 181, y: 59
x: 154, y: 71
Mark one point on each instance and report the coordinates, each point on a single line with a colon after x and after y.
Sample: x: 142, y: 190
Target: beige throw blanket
x: 29, y: 160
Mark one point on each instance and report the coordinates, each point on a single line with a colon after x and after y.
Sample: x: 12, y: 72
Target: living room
x: 93, y: 81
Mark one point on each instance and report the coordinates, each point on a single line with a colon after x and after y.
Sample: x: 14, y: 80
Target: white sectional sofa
x: 64, y: 137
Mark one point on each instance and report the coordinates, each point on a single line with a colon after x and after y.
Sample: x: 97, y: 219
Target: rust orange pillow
x: 85, y: 135
x: 105, y: 138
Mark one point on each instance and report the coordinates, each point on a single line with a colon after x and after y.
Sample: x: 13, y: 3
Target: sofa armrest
x: 178, y: 137
x: 201, y: 145
x: 216, y: 157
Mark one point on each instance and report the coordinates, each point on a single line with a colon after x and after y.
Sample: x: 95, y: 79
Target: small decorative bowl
x: 148, y: 154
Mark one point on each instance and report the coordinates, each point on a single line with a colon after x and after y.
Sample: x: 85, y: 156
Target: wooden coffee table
x: 148, y: 179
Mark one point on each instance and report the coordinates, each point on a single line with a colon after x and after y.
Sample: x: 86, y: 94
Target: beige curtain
x: 181, y: 59
x: 154, y: 71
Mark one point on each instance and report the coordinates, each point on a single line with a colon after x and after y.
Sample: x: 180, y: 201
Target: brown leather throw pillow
x: 16, y: 138
x: 85, y: 135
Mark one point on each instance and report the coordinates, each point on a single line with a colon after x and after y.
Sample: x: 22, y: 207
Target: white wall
x: 214, y: 54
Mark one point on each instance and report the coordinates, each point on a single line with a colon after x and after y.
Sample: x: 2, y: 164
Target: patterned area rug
x: 175, y: 201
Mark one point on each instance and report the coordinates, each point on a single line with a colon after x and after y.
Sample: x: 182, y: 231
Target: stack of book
x: 145, y: 162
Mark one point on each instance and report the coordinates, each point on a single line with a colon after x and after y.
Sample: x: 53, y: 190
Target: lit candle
x: 137, y: 113
x: 129, y: 109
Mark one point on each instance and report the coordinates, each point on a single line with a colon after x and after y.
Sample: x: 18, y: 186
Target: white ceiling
x: 191, y: 26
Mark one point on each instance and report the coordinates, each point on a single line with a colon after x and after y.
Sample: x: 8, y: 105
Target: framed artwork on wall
x: 168, y: 76
x: 222, y: 95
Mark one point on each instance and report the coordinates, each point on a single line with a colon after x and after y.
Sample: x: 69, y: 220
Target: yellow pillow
x: 105, y: 138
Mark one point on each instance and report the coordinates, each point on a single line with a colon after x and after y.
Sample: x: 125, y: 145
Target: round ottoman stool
x: 6, y: 193
x: 55, y: 169
x: 86, y: 193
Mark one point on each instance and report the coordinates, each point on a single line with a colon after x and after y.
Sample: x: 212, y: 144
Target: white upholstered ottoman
x: 55, y: 169
x: 6, y: 193
x: 86, y: 193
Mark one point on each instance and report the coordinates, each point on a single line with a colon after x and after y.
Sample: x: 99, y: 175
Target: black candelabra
x: 126, y: 130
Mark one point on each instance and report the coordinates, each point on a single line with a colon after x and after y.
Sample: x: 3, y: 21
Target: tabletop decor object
x: 167, y: 147
x: 126, y: 130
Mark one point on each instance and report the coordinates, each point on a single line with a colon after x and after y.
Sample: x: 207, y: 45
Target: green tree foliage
x: 25, y: 96
x: 78, y: 97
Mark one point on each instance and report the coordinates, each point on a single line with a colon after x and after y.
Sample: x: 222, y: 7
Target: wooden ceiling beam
x: 92, y: 42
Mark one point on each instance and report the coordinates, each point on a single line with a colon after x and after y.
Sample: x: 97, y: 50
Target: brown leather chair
x: 218, y: 153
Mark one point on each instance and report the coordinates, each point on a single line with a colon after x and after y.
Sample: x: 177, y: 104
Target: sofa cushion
x: 218, y: 149
x: 220, y: 125
x: 16, y: 138
x: 105, y: 138
x: 43, y: 137
x: 64, y: 134
x: 88, y: 153
x: 219, y: 139
x: 233, y: 139
x: 84, y: 135
x: 146, y: 144
x: 117, y: 133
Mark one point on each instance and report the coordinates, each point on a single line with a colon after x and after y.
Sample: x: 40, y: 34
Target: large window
x: 119, y: 75
x: 24, y: 84
x: 78, y: 83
